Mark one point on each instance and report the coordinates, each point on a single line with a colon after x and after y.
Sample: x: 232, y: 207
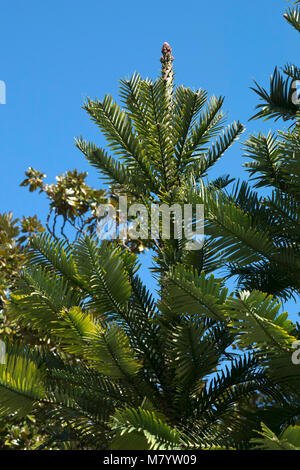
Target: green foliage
x: 257, y: 319
x: 289, y: 439
x: 279, y: 102
x: 194, y: 294
x: 159, y: 143
x: 21, y: 382
x: 70, y: 198
x: 14, y: 234
x: 109, y: 349
x: 142, y: 429
x: 256, y: 237
x: 130, y: 350
x: 102, y: 361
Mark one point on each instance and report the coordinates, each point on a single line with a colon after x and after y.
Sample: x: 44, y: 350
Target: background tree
x: 118, y: 369
x: 14, y: 237
x: 282, y: 99
x: 257, y: 237
x: 71, y: 200
x: 117, y: 372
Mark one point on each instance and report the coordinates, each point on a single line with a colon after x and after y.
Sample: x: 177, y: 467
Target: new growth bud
x: 166, y: 60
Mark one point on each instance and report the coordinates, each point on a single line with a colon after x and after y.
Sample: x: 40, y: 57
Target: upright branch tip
x: 166, y: 60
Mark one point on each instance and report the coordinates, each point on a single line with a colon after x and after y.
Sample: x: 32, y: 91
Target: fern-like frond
x: 102, y: 268
x: 257, y: 321
x: 289, y: 439
x: 21, y: 382
x: 266, y: 156
x: 111, y: 169
x: 53, y: 254
x: 188, y: 105
x: 110, y: 353
x: 194, y: 294
x: 278, y: 102
x: 200, y: 165
x: 38, y: 298
x: 73, y: 328
x: 293, y: 17
x: 119, y: 132
x: 210, y: 123
x: 144, y: 430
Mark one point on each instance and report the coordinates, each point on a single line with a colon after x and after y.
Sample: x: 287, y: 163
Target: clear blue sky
x: 54, y: 54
